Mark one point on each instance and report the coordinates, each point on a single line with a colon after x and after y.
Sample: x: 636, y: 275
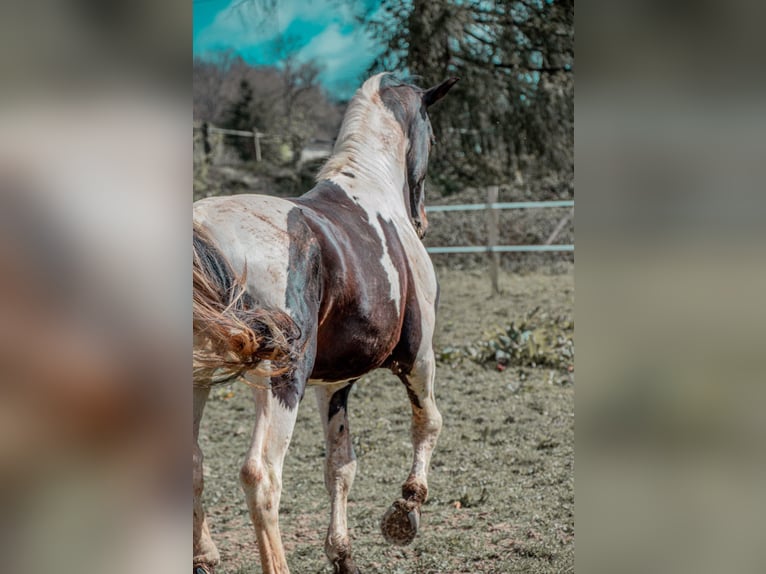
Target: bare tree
x: 288, y: 103
x: 516, y: 60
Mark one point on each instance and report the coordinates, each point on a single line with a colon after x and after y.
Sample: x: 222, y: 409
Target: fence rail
x: 499, y: 248
x: 512, y: 205
x: 229, y: 132
x: 492, y: 208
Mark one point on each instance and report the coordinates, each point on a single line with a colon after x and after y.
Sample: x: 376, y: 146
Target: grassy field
x: 502, y: 477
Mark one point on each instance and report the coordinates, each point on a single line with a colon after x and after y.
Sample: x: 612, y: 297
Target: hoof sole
x: 400, y: 523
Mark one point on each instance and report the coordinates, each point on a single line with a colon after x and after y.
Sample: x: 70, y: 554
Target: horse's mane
x: 352, y: 146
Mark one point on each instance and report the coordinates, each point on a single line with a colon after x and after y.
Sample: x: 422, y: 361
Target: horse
x: 320, y: 290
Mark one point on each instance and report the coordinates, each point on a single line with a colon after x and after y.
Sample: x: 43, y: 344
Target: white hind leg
x: 339, y: 471
x: 205, y: 554
x: 401, y: 522
x: 261, y: 474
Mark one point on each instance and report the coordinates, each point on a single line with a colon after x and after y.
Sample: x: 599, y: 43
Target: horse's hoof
x: 401, y: 522
x: 414, y: 518
x: 345, y: 567
x: 203, y: 569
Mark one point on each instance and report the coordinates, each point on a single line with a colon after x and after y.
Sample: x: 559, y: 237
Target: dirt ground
x: 502, y: 476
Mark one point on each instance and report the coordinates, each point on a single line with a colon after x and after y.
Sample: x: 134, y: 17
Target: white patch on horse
x: 394, y: 281
x: 249, y: 230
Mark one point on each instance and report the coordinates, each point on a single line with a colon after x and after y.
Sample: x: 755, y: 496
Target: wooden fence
x: 208, y: 129
x: 492, y: 208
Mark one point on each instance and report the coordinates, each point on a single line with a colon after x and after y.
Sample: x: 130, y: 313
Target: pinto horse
x: 320, y: 290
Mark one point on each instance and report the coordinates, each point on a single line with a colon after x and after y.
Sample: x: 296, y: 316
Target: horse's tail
x: 236, y: 335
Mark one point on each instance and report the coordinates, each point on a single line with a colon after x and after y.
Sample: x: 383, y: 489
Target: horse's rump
x: 238, y: 335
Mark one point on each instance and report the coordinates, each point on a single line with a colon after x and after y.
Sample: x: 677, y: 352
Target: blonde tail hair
x: 236, y: 336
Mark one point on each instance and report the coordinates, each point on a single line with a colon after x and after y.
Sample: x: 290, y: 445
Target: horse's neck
x: 374, y: 180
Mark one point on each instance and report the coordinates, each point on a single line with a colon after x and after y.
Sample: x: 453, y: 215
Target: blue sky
x: 322, y: 30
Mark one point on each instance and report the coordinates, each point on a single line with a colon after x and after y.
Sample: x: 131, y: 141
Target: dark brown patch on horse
x: 339, y: 400
x: 414, y: 400
x: 394, y: 95
x: 405, y: 353
x: 348, y: 174
x: 406, y: 104
x: 358, y: 325
x: 302, y: 300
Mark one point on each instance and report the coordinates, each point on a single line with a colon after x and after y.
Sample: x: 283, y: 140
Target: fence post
x: 206, y: 149
x: 493, y: 217
x: 257, y: 139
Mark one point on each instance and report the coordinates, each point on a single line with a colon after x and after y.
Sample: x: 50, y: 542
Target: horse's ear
x: 433, y: 95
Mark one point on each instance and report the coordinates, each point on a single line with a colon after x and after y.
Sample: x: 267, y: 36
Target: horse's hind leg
x: 204, y: 551
x: 401, y: 521
x: 339, y: 471
x: 261, y: 475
